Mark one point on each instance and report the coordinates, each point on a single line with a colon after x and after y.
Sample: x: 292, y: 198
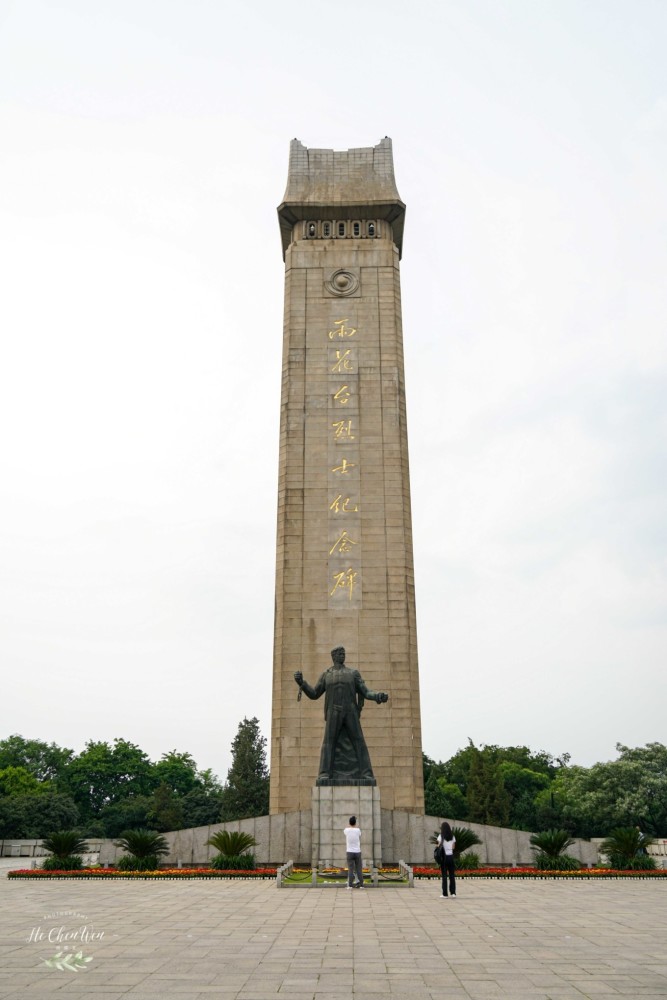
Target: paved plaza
x: 251, y: 941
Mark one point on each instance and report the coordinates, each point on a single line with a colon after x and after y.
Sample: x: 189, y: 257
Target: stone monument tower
x: 344, y: 572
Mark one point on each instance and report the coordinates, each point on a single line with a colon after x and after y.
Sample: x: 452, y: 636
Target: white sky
x: 143, y: 150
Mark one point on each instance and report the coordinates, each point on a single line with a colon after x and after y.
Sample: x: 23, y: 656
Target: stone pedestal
x: 332, y: 807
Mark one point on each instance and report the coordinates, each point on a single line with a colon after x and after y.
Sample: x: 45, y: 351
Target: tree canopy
x: 104, y: 773
x: 630, y: 791
x: 104, y: 790
x: 112, y: 787
x: 45, y: 761
x: 539, y: 791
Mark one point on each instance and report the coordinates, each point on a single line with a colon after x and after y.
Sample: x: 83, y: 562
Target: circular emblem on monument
x: 342, y: 282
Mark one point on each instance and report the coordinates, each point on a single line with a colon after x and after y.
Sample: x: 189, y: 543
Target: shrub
x: 556, y: 863
x: 63, y: 848
x: 130, y: 863
x: 642, y: 863
x: 626, y: 849
x: 244, y: 862
x: 468, y: 860
x: 69, y: 863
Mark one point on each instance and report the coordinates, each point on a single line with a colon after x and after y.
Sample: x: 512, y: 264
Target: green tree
x: 104, y: 774
x: 455, y: 800
x: 178, y: 771
x: 526, y: 777
x: 208, y: 782
x: 457, y: 768
x: 185, y: 797
x: 522, y: 785
x: 488, y: 802
x: 167, y: 810
x: 129, y: 813
x: 202, y: 808
x: 435, y: 803
x: 626, y: 792
x: 31, y: 816
x: 444, y: 799
x: 429, y: 766
x: 45, y: 761
x: 548, y: 808
x: 246, y: 791
x: 19, y: 781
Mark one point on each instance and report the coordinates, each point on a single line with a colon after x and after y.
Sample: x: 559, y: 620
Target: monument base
x: 332, y: 806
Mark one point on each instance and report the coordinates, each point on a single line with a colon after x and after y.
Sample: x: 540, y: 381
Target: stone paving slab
x: 250, y: 941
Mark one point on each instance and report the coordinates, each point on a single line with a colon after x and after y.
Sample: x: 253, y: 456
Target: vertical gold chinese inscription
x: 344, y: 567
x: 344, y: 578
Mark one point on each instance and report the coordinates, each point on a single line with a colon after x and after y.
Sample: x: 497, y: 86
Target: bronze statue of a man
x: 344, y: 752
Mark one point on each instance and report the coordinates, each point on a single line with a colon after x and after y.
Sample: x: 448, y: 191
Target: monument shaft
x: 344, y: 543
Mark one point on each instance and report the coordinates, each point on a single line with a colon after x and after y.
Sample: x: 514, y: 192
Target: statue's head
x: 338, y: 654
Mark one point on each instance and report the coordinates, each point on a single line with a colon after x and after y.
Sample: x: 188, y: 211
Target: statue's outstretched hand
x: 298, y: 677
x: 382, y: 697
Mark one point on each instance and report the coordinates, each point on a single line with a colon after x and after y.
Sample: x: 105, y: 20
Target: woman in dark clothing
x: 447, y: 841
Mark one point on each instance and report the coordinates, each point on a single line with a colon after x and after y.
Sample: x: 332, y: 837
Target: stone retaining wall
x: 288, y: 836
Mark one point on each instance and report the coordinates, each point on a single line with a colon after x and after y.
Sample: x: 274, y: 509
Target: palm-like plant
x: 65, y: 843
x: 625, y: 848
x: 65, y: 849
x: 465, y: 839
x: 233, y: 850
x: 549, y: 847
x: 230, y: 843
x: 551, y: 842
x: 143, y: 847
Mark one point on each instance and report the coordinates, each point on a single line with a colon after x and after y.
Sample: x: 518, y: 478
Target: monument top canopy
x: 341, y: 184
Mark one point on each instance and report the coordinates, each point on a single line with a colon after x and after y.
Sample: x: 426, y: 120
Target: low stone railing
x: 284, y: 870
x: 407, y: 872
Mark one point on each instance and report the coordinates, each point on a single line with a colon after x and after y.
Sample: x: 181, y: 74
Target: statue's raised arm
x: 305, y: 688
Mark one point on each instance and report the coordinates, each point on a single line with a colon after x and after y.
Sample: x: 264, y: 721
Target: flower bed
x: 537, y: 873
x: 163, y: 873
x: 302, y: 875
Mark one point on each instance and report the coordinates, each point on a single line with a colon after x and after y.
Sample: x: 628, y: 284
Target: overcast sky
x: 143, y: 152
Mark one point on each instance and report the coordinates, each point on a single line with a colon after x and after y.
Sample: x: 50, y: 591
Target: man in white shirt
x: 355, y: 876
